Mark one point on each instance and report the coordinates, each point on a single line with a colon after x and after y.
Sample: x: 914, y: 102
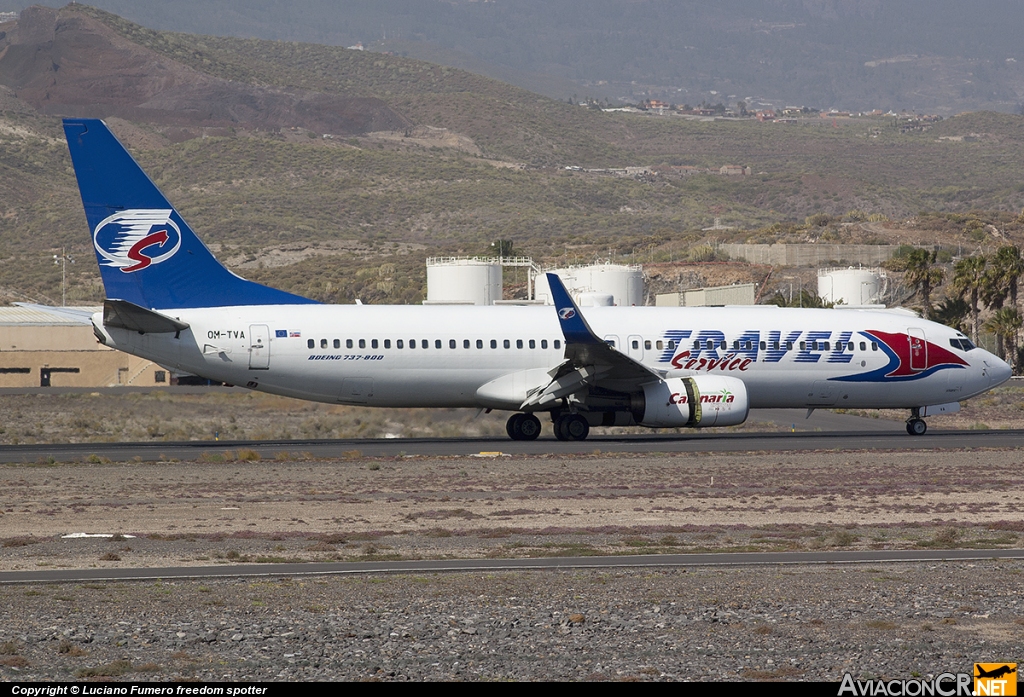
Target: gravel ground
x: 790, y: 623
x: 761, y: 623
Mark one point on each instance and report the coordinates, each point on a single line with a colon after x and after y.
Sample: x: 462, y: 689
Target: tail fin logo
x: 567, y: 313
x: 135, y: 239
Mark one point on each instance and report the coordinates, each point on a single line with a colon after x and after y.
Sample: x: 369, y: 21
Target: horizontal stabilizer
x: 126, y: 315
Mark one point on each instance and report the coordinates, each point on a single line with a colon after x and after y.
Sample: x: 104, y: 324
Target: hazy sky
x: 948, y: 55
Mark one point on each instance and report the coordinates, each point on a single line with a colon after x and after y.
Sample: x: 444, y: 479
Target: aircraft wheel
x: 514, y: 426
x: 917, y: 427
x: 529, y: 427
x: 560, y: 432
x: 575, y: 427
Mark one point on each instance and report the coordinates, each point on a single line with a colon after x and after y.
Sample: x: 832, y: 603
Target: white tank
x: 463, y: 281
x: 849, y: 286
x: 625, y: 284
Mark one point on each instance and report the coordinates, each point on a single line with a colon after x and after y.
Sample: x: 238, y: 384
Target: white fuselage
x: 457, y: 356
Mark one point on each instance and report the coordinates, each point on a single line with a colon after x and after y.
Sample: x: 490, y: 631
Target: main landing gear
x: 523, y: 427
x: 567, y: 427
x: 916, y: 426
x: 571, y: 427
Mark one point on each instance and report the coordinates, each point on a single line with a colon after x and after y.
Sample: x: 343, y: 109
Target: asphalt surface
x: 456, y: 565
x: 698, y: 442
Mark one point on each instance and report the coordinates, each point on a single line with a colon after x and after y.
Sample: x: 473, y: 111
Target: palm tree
x: 968, y: 282
x: 952, y: 312
x: 920, y: 274
x: 1006, y: 324
x: 1009, y: 266
x: 1005, y: 267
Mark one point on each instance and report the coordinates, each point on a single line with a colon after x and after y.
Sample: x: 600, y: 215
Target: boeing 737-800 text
x: 170, y: 301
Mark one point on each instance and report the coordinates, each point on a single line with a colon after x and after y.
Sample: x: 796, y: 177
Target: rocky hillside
x: 66, y: 62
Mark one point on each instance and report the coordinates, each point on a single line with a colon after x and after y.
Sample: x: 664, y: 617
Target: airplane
x: 169, y: 300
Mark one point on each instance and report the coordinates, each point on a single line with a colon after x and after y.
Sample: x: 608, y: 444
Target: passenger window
x: 558, y: 343
x: 543, y: 343
x: 647, y: 344
x: 310, y: 344
x: 465, y: 343
x: 374, y: 344
x: 803, y: 346
x: 735, y: 344
x: 412, y: 343
x: 763, y: 345
x: 874, y: 345
x: 323, y: 343
x: 437, y: 343
x: 710, y: 344
x: 789, y: 345
x: 863, y: 346
x: 672, y: 345
x: 399, y: 344
x: 533, y: 343
x: 480, y: 343
x: 824, y: 346
x: 424, y: 343
x: 451, y: 343
x: 337, y: 343
x: 387, y: 343
x: 660, y: 345
x: 348, y: 343
x: 507, y: 344
x: 362, y: 343
x: 636, y: 344
x: 494, y: 343
x: 519, y: 343
x: 721, y: 344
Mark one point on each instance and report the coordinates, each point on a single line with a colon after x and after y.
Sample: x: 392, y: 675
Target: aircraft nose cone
x: 999, y: 371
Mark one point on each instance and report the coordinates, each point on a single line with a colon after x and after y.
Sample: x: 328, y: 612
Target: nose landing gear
x: 916, y: 426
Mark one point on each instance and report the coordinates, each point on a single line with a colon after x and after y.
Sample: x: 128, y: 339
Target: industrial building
x: 55, y: 347
x: 852, y: 286
x: 742, y: 294
x: 479, y: 281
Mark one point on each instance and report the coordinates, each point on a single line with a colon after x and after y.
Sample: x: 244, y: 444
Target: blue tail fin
x: 148, y: 255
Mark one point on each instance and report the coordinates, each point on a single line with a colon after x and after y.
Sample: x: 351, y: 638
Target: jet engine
x: 696, y: 402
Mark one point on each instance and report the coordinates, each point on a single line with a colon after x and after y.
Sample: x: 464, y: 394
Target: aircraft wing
x: 589, y: 360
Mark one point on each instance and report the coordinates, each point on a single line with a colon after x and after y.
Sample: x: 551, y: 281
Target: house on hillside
x: 734, y: 170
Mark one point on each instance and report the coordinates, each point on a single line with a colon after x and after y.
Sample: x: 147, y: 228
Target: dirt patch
x: 231, y: 507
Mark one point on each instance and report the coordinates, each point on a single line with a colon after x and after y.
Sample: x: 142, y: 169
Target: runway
x: 697, y: 442
x: 465, y: 565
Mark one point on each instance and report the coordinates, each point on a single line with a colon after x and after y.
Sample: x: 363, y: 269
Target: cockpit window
x: 962, y: 344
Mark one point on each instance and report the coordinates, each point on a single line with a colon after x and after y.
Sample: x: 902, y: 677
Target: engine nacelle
x: 696, y: 402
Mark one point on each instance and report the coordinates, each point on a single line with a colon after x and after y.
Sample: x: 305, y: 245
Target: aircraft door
x: 918, y: 349
x: 635, y: 347
x: 259, y: 347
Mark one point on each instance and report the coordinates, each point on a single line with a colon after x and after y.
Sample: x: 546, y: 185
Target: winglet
x: 574, y: 326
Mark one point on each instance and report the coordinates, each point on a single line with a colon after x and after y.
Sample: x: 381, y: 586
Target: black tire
x: 560, y: 431
x: 529, y: 427
x: 514, y: 426
x: 559, y: 425
x: 576, y: 427
x: 917, y: 427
